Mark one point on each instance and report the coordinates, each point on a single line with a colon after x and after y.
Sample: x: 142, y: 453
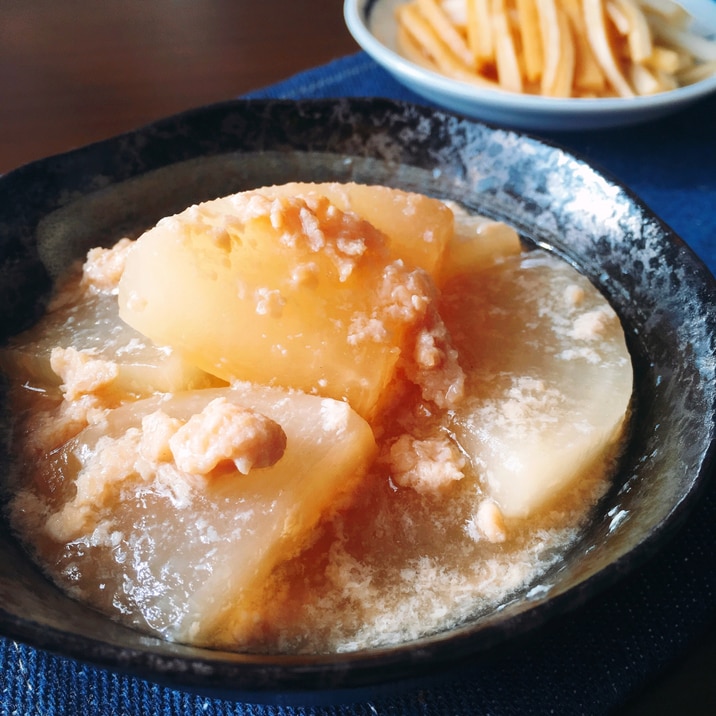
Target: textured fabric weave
x: 588, y: 663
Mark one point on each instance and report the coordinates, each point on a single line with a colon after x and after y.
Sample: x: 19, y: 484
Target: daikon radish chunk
x: 283, y: 290
x: 550, y: 374
x: 91, y: 326
x: 476, y: 244
x: 420, y: 229
x: 417, y: 227
x: 188, y: 554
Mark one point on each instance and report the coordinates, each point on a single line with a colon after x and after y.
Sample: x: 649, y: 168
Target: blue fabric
x: 596, y: 658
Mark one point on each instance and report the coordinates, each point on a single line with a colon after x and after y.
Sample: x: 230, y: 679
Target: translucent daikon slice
x: 550, y: 374
x: 93, y: 327
x: 189, y: 555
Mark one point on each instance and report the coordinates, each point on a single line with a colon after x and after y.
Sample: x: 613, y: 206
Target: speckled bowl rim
x: 357, y: 128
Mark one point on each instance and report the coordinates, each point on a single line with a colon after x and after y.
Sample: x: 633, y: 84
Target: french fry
x: 479, y: 31
x: 598, y: 34
x: 588, y: 75
x: 617, y: 17
x: 508, y: 70
x: 563, y: 81
x: 412, y: 51
x: 418, y: 28
x: 446, y: 31
x: 637, y: 32
x: 531, y: 37
x: 557, y: 48
x: 666, y: 80
x: 643, y: 80
x: 441, y: 55
x: 668, y: 60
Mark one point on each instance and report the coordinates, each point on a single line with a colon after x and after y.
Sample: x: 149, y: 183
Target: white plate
x: 372, y: 24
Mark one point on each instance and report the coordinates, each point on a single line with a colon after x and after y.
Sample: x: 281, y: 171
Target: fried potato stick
x: 557, y: 48
x: 598, y: 34
x: 423, y: 34
x: 479, y: 31
x: 508, y: 69
x: 637, y: 30
x: 588, y: 75
x: 531, y: 37
x: 446, y: 31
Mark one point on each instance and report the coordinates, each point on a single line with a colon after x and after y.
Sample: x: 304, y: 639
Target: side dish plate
x: 372, y: 24
x: 53, y: 210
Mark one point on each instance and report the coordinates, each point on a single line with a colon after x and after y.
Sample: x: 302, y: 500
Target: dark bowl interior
x: 53, y: 210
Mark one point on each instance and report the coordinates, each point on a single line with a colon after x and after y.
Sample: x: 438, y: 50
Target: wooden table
x: 77, y: 71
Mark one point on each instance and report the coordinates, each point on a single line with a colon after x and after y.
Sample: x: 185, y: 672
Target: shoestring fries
x: 558, y: 48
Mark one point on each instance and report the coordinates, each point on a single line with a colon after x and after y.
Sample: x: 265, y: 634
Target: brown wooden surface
x: 76, y: 71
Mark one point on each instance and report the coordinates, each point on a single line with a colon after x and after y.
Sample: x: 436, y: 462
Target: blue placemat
x: 592, y: 661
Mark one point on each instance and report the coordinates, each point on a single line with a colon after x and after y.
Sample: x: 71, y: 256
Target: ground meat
x: 226, y: 432
x: 426, y: 466
x: 81, y: 372
x: 103, y: 267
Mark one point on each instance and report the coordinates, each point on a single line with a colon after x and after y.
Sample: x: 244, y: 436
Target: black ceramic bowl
x: 53, y: 210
